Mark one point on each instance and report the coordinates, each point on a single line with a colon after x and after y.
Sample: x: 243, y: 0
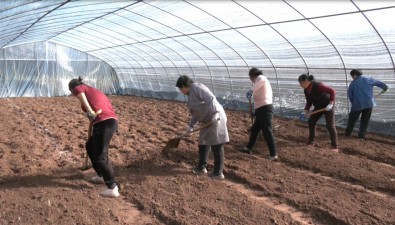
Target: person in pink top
x: 321, y: 97
x: 104, y: 121
x: 263, y: 104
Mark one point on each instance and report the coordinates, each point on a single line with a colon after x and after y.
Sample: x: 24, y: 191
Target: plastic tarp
x: 44, y: 69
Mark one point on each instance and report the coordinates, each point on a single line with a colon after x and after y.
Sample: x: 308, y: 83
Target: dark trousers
x: 97, y: 148
x: 218, y: 152
x: 330, y: 125
x: 363, y: 127
x: 263, y: 122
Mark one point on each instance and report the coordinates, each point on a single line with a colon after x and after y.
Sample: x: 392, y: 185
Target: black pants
x: 263, y: 122
x: 97, y: 148
x: 218, y: 152
x: 363, y: 127
x: 330, y: 126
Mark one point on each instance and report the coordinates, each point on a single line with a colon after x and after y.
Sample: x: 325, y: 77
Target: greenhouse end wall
x: 44, y: 69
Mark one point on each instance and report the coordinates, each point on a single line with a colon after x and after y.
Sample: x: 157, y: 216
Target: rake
x: 294, y: 120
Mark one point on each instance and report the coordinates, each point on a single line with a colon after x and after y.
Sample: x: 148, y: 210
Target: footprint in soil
x: 114, y: 146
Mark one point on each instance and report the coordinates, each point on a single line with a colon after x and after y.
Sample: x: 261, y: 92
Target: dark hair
x: 184, y: 81
x: 355, y: 72
x: 305, y: 77
x: 74, y: 83
x: 254, y: 72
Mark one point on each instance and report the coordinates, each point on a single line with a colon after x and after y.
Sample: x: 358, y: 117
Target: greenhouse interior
x: 126, y: 148
x: 141, y: 47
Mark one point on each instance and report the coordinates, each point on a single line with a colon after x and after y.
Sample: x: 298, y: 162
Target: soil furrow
x: 378, y: 158
x: 376, y: 177
x: 288, y: 186
x: 307, y: 185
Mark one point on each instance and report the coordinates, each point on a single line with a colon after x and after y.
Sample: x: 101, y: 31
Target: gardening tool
x: 252, y: 116
x: 294, y: 120
x: 173, y: 143
x: 252, y: 119
x: 87, y: 167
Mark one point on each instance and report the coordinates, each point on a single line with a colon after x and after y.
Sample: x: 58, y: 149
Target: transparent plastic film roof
x: 141, y: 48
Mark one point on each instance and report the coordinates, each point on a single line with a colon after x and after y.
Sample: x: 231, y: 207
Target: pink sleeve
x: 258, y: 85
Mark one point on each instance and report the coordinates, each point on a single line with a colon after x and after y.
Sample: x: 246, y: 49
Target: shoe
x: 199, y: 170
x: 97, y: 180
x: 273, y: 158
x: 110, y: 193
x: 217, y: 177
x: 334, y: 149
x: 246, y: 150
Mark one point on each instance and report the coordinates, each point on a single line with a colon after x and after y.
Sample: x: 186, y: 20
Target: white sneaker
x: 199, y: 170
x: 97, y: 180
x: 217, y: 177
x: 110, y: 193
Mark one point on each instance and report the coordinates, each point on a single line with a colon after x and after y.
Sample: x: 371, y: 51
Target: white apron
x: 202, y: 105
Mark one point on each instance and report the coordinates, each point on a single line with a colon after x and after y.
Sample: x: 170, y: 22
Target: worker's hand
x: 189, y: 130
x: 215, y: 118
x: 303, y: 116
x: 92, y: 114
x: 383, y: 91
x: 249, y: 94
x: 329, y: 107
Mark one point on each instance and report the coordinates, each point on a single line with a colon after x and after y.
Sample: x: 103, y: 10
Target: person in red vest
x: 104, y: 121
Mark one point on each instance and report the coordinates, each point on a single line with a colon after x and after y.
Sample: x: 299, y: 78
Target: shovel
x: 252, y: 116
x: 294, y: 120
x: 87, y: 166
x: 173, y: 143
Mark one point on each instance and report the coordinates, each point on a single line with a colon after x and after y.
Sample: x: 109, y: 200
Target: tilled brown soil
x: 42, y: 151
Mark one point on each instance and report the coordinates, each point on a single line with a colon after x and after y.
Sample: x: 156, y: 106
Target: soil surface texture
x: 42, y: 152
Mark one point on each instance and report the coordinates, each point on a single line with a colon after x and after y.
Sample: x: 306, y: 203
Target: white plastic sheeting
x: 44, y: 69
x: 141, y: 47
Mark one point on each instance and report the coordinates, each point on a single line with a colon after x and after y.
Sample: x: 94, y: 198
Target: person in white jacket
x: 263, y: 104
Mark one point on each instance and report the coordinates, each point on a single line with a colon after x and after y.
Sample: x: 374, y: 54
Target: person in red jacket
x: 321, y: 97
x: 104, y: 121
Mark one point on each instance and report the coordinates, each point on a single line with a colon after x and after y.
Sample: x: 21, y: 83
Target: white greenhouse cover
x: 141, y: 47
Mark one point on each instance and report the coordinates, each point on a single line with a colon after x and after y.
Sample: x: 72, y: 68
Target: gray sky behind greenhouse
x: 141, y: 47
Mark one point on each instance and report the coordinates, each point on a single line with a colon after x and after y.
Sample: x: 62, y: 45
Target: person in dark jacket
x: 360, y: 94
x: 104, y: 124
x: 321, y: 97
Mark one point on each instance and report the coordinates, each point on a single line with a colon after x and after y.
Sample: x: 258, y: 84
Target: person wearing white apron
x: 204, y: 108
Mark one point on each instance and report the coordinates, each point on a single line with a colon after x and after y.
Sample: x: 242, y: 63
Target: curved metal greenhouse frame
x: 141, y: 48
